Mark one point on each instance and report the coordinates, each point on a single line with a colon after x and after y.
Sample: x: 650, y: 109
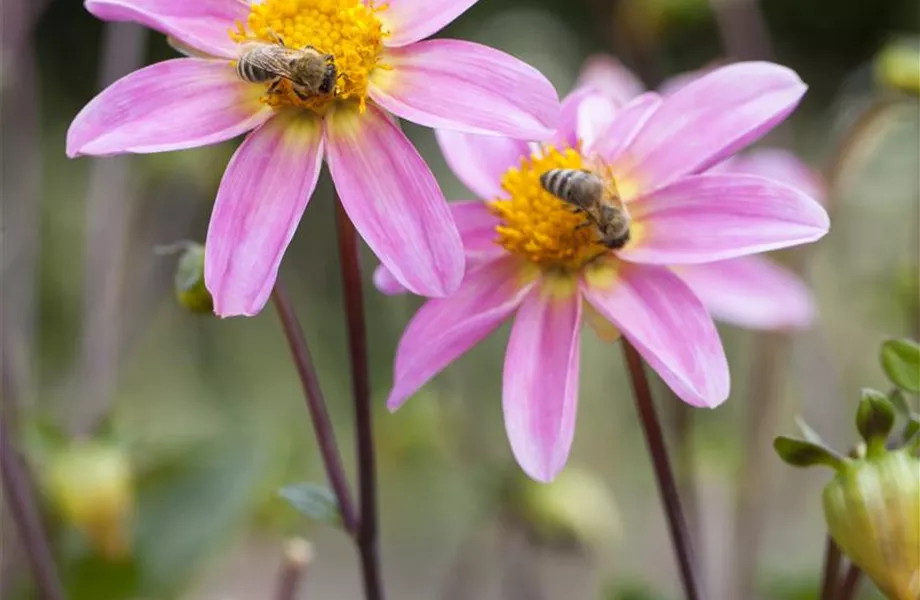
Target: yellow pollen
x: 536, y: 224
x: 349, y: 30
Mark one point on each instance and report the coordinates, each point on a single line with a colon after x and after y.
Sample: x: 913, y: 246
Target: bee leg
x: 303, y: 95
x: 583, y: 225
x: 273, y: 88
x: 277, y: 37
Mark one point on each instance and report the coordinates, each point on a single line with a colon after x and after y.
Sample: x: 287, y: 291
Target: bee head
x: 329, y: 78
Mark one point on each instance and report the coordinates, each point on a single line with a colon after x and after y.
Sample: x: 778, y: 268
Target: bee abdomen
x: 247, y: 71
x: 568, y: 184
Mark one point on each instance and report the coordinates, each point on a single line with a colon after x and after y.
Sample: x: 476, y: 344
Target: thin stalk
x: 651, y: 426
x: 850, y: 585
x: 686, y: 472
x: 316, y: 404
x: 360, y: 377
x: 831, y: 570
x: 298, y: 553
x: 22, y: 505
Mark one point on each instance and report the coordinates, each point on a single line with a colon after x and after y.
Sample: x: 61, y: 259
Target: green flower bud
x: 874, y: 420
x: 90, y: 485
x: 898, y: 66
x: 576, y: 508
x: 190, y: 289
x: 872, y: 509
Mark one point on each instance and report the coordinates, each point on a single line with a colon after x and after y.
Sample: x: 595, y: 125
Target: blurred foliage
x: 208, y: 413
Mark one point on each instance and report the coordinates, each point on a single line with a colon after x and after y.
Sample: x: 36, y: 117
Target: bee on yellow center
x: 310, y: 53
x: 547, y: 219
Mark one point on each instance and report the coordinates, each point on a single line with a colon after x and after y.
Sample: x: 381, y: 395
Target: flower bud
x: 576, y: 508
x: 190, y: 289
x: 872, y: 509
x: 898, y: 66
x: 90, y: 484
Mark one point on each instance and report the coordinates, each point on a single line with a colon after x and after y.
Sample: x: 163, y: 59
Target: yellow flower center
x: 539, y: 226
x: 348, y: 30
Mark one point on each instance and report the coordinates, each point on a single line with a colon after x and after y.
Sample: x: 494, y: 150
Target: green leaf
x: 810, y: 434
x: 901, y: 362
x: 314, y: 501
x: 911, y: 428
x: 874, y: 419
x: 800, y: 453
x: 900, y: 402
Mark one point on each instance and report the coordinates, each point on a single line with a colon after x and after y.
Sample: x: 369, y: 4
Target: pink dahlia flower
x: 751, y: 291
x: 382, y: 67
x: 528, y: 257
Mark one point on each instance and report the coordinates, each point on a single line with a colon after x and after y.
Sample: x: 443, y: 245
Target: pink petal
x: 751, y: 292
x: 611, y: 78
x: 179, y: 103
x: 540, y: 388
x: 709, y: 119
x: 625, y: 126
x: 445, y: 328
x: 201, y: 24
x: 412, y: 20
x: 781, y: 165
x: 260, y: 202
x: 479, y: 161
x: 668, y: 326
x: 567, y: 133
x: 705, y: 218
x: 394, y: 201
x: 477, y: 230
x: 595, y: 116
x: 468, y: 87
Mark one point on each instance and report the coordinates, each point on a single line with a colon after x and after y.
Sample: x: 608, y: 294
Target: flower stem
x: 831, y: 570
x: 294, y: 564
x: 667, y: 486
x: 322, y: 425
x: 360, y: 377
x: 850, y: 584
x: 22, y: 506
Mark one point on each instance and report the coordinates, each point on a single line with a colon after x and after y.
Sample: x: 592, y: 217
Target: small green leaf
x: 316, y: 502
x: 810, y: 434
x: 874, y: 420
x: 800, y: 453
x: 901, y: 362
x: 900, y: 402
x: 911, y: 428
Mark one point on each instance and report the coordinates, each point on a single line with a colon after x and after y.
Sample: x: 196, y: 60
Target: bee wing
x: 277, y: 60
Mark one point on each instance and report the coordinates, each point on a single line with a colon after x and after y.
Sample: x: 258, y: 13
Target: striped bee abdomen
x: 575, y: 186
x: 250, y: 70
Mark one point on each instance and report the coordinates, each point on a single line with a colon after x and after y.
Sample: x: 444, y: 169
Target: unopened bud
x: 90, y: 484
x: 874, y: 420
x: 898, y: 66
x: 872, y: 509
x: 190, y: 289
x: 577, y: 508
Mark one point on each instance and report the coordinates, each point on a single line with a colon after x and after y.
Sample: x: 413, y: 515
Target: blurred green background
x: 209, y: 413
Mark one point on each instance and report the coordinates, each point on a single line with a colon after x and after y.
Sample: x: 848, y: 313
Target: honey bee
x: 310, y: 72
x: 587, y: 193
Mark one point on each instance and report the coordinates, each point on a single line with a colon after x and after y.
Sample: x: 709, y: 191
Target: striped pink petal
x: 451, y: 84
x: 705, y: 218
x: 540, y: 382
x: 180, y: 103
x: 567, y: 133
x: 477, y: 230
x: 625, y: 126
x: 710, y: 119
x: 778, y: 164
x: 201, y: 24
x: 611, y: 78
x: 445, y: 328
x: 669, y: 327
x: 260, y: 202
x: 394, y: 201
x: 751, y: 292
x: 409, y: 21
x: 479, y: 161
